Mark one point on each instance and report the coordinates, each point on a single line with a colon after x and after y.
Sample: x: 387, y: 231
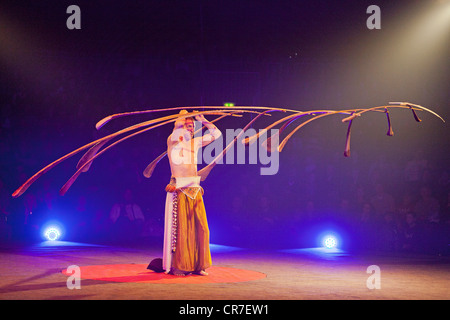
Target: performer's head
x: 188, y: 125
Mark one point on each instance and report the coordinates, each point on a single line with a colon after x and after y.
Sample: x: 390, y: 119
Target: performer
x: 186, y: 234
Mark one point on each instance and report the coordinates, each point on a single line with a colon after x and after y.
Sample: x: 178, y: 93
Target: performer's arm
x: 214, y: 132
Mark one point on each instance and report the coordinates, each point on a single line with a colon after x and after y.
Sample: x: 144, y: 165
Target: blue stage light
x: 330, y: 242
x: 52, y: 233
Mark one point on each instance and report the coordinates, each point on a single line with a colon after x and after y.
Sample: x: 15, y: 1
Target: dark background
x: 57, y: 83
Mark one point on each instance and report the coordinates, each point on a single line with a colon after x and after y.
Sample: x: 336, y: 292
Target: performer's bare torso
x: 182, y: 150
x: 185, y: 164
x: 182, y: 147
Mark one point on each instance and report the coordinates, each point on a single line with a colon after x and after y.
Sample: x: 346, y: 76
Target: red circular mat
x: 140, y: 273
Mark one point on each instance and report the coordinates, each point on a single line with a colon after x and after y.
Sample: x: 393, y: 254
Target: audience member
x: 127, y: 218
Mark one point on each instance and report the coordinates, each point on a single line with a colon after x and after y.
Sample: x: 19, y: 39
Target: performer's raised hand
x: 201, y: 118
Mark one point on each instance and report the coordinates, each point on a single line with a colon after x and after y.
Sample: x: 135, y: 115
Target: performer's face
x: 189, y: 126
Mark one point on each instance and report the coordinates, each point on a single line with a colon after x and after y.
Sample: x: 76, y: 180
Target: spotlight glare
x: 330, y: 242
x: 52, y: 233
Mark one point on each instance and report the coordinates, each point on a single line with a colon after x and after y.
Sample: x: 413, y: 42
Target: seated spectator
x: 411, y: 234
x: 127, y: 217
x: 427, y: 208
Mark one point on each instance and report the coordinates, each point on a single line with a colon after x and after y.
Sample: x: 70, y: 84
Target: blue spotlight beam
x: 52, y: 233
x: 330, y: 242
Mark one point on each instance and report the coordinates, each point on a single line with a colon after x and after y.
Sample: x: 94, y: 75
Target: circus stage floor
x: 38, y: 272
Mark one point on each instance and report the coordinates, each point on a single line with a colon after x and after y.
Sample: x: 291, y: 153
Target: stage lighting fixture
x: 330, y: 242
x: 52, y: 233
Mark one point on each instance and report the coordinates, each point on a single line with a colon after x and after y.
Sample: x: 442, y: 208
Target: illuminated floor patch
x: 139, y: 273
